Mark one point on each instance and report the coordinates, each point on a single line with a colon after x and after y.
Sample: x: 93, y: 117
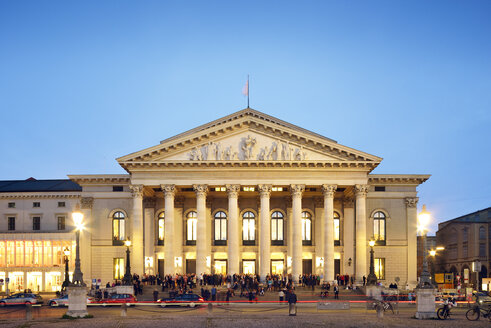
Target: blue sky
x: 82, y: 83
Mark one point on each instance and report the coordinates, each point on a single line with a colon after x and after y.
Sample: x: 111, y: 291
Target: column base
x: 425, y: 303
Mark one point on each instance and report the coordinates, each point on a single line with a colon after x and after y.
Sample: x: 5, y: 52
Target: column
x: 169, y: 193
x: 289, y: 235
x: 329, y: 191
x: 201, y: 254
x: 319, y: 235
x: 349, y: 235
x: 178, y: 233
x: 264, y: 232
x: 150, y: 234
x: 297, y: 191
x: 412, y: 228
x: 233, y: 229
x: 86, y: 204
x: 137, y: 249
x: 361, y: 232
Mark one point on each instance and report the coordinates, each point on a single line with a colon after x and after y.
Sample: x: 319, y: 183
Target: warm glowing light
x: 423, y: 219
x: 432, y: 252
x: 78, y: 217
x: 127, y: 242
x: 371, y: 243
x: 440, y: 248
x: 66, y: 251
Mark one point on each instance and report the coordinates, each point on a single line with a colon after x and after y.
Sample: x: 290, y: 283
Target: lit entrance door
x: 221, y: 267
x: 249, y: 266
x: 34, y: 281
x: 277, y: 267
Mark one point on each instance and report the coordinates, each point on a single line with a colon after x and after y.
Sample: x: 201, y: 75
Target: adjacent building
x: 247, y: 193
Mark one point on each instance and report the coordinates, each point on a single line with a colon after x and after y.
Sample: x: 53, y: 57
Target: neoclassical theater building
x: 247, y: 193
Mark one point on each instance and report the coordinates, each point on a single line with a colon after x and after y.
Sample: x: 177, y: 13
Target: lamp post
x: 425, y: 278
x: 78, y: 277
x: 372, y: 278
x: 66, y: 251
x: 127, y: 279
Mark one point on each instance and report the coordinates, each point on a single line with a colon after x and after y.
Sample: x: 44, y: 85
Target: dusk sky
x: 85, y: 82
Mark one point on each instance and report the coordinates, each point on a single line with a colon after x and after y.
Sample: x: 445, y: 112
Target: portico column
x: 137, y: 249
x: 297, y: 191
x: 329, y: 191
x: 412, y: 224
x: 201, y: 253
x: 361, y: 232
x: 265, y: 232
x: 233, y: 229
x: 169, y: 193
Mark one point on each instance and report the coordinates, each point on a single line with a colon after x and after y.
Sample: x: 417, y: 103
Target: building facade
x: 247, y: 193
x: 467, y: 242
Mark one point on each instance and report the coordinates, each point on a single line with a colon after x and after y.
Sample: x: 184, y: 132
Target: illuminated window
x: 277, y: 229
x: 11, y: 223
x: 220, y: 228
x: 29, y: 258
x: 161, y: 228
x: 19, y: 253
x: 379, y: 264
x: 248, y: 188
x: 306, y: 228
x: 220, y: 189
x: 38, y: 253
x: 3, y: 250
x: 118, y: 268
x: 191, y: 223
x: 118, y: 228
x: 249, y: 229
x: 337, y: 230
x: 61, y: 222
x: 277, y: 189
x: 379, y: 228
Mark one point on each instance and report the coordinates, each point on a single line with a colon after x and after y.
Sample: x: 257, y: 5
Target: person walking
x: 336, y: 292
x: 292, y: 303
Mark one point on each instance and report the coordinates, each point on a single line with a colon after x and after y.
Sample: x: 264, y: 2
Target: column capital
x: 348, y: 202
x: 297, y: 190
x: 200, y: 190
x: 136, y: 191
x: 329, y: 190
x: 233, y: 190
x: 168, y: 189
x: 264, y: 190
x: 361, y: 190
x: 411, y: 201
x: 86, y: 203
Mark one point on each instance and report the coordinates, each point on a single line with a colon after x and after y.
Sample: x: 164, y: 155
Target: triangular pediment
x: 247, y: 136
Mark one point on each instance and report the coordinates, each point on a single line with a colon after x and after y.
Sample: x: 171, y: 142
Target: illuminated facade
x: 247, y: 193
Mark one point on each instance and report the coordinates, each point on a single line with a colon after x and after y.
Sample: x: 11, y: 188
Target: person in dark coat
x: 336, y: 292
x: 292, y: 298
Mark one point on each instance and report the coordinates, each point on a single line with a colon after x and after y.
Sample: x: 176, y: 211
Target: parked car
x: 190, y: 300
x: 21, y: 298
x: 63, y: 301
x: 119, y: 298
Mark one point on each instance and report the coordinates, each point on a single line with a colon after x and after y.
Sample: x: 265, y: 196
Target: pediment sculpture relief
x: 248, y: 149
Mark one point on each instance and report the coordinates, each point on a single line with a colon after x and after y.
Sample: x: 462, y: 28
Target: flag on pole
x: 245, y: 90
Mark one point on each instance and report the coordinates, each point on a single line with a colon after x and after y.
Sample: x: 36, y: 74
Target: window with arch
x: 248, y: 229
x: 379, y: 228
x: 306, y: 228
x: 337, y: 229
x: 277, y: 223
x: 161, y: 228
x: 191, y: 223
x: 220, y: 228
x: 482, y: 233
x: 118, y: 228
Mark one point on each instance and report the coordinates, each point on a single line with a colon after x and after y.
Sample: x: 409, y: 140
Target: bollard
x: 123, y: 310
x: 29, y: 312
x: 210, y: 308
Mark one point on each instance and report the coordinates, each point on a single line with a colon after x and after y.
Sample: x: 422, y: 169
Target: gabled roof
x: 481, y: 216
x: 33, y: 185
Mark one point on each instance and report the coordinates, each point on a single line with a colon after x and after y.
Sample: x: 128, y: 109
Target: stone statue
x: 248, y: 147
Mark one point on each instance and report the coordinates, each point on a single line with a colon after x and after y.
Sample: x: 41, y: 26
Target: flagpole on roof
x: 248, y: 88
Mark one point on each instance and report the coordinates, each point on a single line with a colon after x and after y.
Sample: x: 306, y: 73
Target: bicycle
x: 476, y: 312
x: 385, y: 306
x: 444, y: 312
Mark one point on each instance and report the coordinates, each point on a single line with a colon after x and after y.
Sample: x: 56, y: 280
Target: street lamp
x: 66, y: 251
x: 127, y: 279
x: 423, y: 220
x: 78, y: 277
x: 372, y: 278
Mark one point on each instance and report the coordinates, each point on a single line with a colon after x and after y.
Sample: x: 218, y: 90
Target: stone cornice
x: 398, y: 179
x: 24, y: 195
x: 100, y: 179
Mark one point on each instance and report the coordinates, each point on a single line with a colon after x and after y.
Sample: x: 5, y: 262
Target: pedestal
x: 77, y: 301
x: 425, y: 303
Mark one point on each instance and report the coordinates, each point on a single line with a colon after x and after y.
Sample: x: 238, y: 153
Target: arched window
x: 277, y: 238
x: 482, y: 233
x: 118, y: 228
x: 337, y: 230
x: 248, y: 229
x: 161, y: 228
x: 191, y: 222
x: 220, y: 228
x: 306, y: 228
x: 379, y: 228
